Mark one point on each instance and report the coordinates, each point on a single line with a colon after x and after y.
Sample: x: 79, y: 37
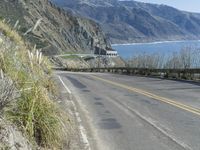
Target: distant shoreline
x: 156, y: 42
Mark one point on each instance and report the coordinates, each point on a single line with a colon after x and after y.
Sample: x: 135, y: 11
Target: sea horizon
x: 164, y: 47
x: 156, y: 42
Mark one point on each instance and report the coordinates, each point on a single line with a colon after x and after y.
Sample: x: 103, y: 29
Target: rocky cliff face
x: 53, y: 30
x: 131, y: 21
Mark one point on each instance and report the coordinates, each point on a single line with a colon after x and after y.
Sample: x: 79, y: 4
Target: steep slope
x: 57, y: 31
x: 30, y: 117
x: 131, y: 21
x: 188, y: 22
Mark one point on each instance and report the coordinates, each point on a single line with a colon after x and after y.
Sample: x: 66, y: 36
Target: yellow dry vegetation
x: 34, y: 111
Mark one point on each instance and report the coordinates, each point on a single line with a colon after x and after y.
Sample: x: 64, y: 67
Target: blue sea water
x: 166, y: 48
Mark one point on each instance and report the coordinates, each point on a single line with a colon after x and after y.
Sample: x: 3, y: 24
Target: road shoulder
x: 80, y: 136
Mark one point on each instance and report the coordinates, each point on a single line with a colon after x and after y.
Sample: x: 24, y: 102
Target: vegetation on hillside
x: 186, y: 58
x: 129, y: 21
x: 58, y: 32
x: 28, y: 97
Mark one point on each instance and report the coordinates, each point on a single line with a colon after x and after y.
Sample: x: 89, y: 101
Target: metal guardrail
x: 174, y: 73
x: 132, y: 70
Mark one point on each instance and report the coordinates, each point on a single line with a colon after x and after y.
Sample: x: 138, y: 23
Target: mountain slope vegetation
x: 131, y: 21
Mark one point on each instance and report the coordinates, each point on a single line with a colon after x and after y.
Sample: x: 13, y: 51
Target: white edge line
x: 64, y: 85
x: 81, y: 128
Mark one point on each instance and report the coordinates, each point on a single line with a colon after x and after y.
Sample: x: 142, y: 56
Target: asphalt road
x: 137, y: 113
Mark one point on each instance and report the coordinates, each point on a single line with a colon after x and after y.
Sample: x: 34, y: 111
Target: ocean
x: 127, y: 51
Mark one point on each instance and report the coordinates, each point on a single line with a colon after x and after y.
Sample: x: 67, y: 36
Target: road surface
x: 136, y: 113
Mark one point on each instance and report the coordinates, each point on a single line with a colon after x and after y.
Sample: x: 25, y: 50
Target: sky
x: 187, y: 5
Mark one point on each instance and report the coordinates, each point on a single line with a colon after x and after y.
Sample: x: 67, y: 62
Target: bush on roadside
x: 38, y: 116
x: 34, y: 112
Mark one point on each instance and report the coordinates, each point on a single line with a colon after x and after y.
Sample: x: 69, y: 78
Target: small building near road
x: 111, y: 53
x: 105, y: 52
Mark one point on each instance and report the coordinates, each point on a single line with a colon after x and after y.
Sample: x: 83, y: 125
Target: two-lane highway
x: 137, y: 113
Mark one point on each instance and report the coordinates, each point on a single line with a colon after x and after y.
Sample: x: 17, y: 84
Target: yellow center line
x: 153, y: 96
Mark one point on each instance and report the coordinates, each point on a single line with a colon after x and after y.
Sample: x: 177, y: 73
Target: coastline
x: 156, y: 42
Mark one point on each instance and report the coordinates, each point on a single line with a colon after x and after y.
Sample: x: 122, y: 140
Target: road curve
x: 137, y: 113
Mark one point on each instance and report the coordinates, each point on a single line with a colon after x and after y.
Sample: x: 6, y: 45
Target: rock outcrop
x: 11, y: 138
x: 52, y: 29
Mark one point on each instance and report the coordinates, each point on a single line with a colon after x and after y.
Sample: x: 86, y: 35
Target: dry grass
x: 35, y: 113
x: 39, y: 117
x: 187, y: 57
x: 11, y: 33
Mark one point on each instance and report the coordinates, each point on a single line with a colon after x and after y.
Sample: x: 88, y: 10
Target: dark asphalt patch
x: 107, y: 112
x: 109, y: 124
x: 148, y: 102
x: 99, y: 103
x: 98, y: 98
x: 86, y: 90
x: 76, y: 83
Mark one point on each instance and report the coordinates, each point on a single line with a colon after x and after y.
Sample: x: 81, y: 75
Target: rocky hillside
x: 52, y: 29
x: 131, y: 21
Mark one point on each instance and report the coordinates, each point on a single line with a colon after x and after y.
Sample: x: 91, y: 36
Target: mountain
x: 51, y: 28
x: 131, y: 21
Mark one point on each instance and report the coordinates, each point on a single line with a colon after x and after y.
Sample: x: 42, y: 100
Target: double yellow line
x: 153, y: 96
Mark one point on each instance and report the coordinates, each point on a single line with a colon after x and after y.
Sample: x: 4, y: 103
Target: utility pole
x: 99, y: 60
x: 99, y: 50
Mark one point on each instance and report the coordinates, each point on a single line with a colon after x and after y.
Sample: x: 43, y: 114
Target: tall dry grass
x: 187, y: 57
x: 35, y: 112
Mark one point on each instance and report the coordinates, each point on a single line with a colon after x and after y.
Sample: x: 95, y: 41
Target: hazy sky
x: 188, y: 5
